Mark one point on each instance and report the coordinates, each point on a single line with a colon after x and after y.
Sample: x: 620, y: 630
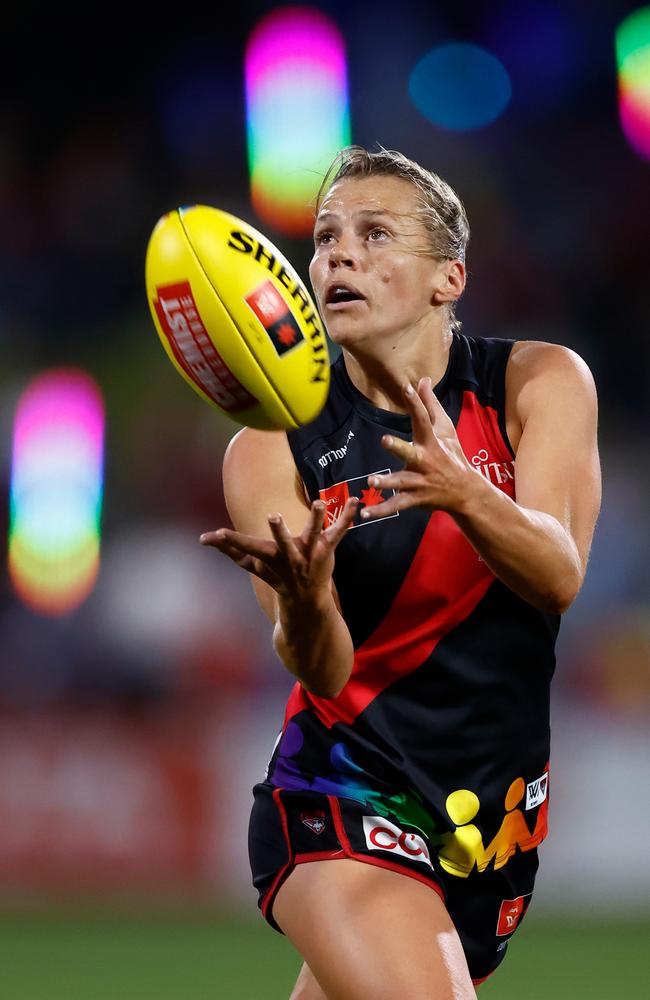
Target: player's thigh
x: 306, y: 987
x: 366, y: 931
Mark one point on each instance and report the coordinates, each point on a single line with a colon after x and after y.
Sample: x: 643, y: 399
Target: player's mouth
x: 341, y: 295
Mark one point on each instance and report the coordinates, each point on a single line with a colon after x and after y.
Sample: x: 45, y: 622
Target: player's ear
x: 450, y: 282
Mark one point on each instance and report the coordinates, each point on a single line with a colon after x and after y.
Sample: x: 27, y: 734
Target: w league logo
x: 272, y: 312
x: 335, y: 498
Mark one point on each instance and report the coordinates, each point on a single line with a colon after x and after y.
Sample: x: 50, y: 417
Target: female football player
x: 414, y: 548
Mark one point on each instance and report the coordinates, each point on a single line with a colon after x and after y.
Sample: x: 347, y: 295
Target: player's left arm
x: 539, y: 545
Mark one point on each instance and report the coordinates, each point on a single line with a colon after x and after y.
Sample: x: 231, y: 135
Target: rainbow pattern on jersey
x: 348, y: 781
x: 56, y: 491
x: 297, y: 112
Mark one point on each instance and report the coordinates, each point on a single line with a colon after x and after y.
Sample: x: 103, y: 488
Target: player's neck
x: 380, y: 378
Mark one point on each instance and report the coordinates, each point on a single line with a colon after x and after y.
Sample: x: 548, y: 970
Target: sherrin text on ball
x: 235, y: 319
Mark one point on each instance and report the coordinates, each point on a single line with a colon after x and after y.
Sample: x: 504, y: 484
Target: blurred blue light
x: 460, y: 86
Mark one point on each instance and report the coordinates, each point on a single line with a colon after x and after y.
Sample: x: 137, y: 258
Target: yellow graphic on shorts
x: 463, y: 848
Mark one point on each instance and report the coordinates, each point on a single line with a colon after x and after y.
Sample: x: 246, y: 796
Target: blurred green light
x: 633, y: 59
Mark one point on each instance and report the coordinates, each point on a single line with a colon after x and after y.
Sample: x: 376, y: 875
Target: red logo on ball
x: 273, y: 313
x: 194, y: 351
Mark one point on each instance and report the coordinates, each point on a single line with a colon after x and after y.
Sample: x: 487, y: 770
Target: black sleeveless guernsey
x: 444, y: 722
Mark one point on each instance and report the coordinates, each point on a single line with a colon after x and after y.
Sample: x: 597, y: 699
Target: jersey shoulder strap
x: 480, y: 366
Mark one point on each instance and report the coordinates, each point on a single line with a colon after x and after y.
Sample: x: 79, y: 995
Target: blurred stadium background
x: 139, y: 696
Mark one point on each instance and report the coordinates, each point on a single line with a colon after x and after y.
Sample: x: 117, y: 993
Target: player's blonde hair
x: 440, y: 209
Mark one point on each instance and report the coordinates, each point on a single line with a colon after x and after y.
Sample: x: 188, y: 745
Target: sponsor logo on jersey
x: 334, y: 453
x: 274, y: 315
x: 244, y: 242
x: 496, y: 473
x: 315, y: 821
x: 382, y: 835
x: 335, y: 497
x: 536, y: 791
x: 510, y: 913
x: 194, y: 351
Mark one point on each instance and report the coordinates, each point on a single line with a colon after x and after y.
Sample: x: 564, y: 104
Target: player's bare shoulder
x: 539, y: 359
x: 260, y: 476
x: 250, y: 451
x: 541, y: 375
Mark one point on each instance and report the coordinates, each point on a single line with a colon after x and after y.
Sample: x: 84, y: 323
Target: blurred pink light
x: 635, y: 121
x: 297, y: 37
x: 66, y: 397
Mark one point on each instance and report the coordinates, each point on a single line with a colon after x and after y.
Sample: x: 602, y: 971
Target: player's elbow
x: 561, y: 596
x: 557, y: 605
x: 323, y: 690
x: 326, y: 683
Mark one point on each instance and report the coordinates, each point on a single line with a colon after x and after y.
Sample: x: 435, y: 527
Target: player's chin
x: 344, y: 327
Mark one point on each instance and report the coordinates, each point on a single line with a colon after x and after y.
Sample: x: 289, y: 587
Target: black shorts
x: 289, y: 828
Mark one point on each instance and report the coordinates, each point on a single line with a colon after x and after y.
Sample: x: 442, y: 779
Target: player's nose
x: 343, y: 253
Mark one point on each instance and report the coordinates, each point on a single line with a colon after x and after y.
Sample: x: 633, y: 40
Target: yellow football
x: 235, y: 319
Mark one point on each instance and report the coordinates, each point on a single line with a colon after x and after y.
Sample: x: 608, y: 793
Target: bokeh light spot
x: 633, y: 59
x: 460, y: 86
x: 56, y: 491
x: 297, y: 113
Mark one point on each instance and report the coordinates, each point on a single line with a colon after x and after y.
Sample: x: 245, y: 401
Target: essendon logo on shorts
x: 382, y: 835
x: 274, y: 315
x: 510, y: 914
x: 315, y: 821
x: 335, y: 498
x: 194, y: 351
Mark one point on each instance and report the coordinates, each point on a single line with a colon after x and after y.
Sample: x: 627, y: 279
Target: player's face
x: 372, y: 272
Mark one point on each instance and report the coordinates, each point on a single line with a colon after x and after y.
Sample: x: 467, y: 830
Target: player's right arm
x: 289, y: 556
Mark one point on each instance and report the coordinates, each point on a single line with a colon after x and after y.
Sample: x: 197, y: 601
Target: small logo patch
x: 335, y: 498
x: 334, y: 453
x: 194, y: 351
x: 382, y: 835
x: 315, y: 821
x: 495, y: 472
x: 275, y: 316
x: 510, y: 914
x: 536, y: 791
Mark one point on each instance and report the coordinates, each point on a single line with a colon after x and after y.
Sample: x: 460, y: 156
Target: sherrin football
x: 235, y: 319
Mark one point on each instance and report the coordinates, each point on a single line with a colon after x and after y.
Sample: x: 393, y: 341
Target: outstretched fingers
x: 396, y: 481
x: 246, y: 544
x: 394, y: 504
x: 438, y: 416
x: 406, y: 451
x: 314, y: 527
x: 251, y: 558
x: 283, y: 537
x: 336, y: 531
x: 420, y: 418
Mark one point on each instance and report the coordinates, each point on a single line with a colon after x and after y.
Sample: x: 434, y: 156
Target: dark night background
x: 162, y: 686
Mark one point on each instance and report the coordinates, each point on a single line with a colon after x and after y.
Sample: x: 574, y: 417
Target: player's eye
x: 376, y: 234
x: 322, y: 238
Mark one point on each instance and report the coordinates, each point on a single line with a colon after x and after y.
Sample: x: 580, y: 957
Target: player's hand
x: 435, y: 475
x: 297, y: 567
